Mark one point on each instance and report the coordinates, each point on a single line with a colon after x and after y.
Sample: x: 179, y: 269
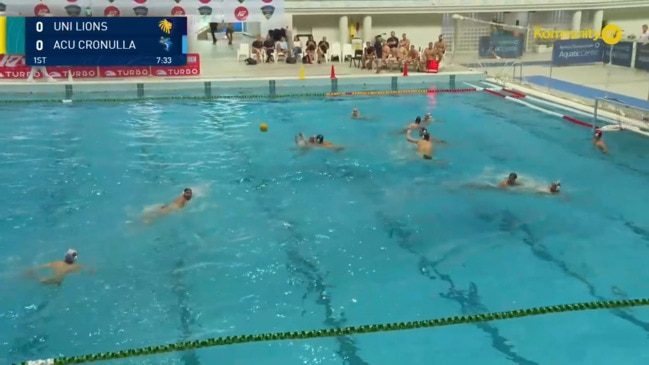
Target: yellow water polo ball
x: 263, y: 127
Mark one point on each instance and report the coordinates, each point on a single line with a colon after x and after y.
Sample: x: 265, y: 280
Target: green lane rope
x: 262, y: 96
x: 337, y: 332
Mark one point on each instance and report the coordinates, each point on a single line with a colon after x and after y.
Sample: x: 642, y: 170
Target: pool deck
x: 219, y: 64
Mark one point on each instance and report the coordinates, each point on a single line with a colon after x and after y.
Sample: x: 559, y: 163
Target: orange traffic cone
x: 333, y: 72
x: 405, y: 69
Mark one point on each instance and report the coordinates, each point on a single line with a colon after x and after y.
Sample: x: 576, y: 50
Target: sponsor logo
x: 12, y: 61
x: 41, y: 10
x: 141, y: 10
x: 241, y: 1
x: 241, y: 13
x: 141, y: 2
x: 73, y: 10
x: 204, y: 1
x: 177, y: 1
x: 178, y: 11
x: 3, y: 7
x: 135, y: 71
x: 266, y: 1
x: 268, y: 11
x: 610, y: 34
x: 205, y: 10
x: 111, y: 11
x: 72, y: 1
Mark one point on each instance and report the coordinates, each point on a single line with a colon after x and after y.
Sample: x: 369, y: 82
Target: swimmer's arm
x: 409, y: 138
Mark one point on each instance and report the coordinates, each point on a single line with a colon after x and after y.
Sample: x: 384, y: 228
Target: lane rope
x: 338, y: 332
x: 254, y: 96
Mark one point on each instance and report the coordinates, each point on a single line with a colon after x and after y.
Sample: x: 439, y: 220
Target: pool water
x: 278, y: 240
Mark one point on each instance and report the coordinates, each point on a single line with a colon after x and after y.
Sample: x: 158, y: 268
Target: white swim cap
x: 71, y: 255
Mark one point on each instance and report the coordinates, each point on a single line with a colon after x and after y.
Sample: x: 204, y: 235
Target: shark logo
x: 241, y: 1
x: 73, y: 10
x: 268, y: 11
x: 166, y: 43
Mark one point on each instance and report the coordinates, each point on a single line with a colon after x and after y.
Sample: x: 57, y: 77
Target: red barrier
x: 12, y: 67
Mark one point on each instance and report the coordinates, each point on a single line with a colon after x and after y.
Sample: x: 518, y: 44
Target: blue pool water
x: 280, y: 241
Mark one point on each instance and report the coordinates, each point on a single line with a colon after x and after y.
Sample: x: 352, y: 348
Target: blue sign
x: 501, y: 45
x: 576, y: 51
x: 622, y: 54
x: 105, y: 41
x: 642, y: 56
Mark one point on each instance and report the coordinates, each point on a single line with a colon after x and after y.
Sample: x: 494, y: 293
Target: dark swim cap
x: 513, y: 175
x: 319, y: 138
x: 425, y: 136
x: 418, y: 120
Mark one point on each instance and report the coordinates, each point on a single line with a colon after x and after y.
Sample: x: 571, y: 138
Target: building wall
x: 630, y: 20
x: 420, y: 28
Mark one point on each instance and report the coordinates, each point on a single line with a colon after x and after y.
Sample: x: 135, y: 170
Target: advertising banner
x: 501, y: 45
x: 13, y: 67
x: 576, y: 51
x: 622, y: 54
x: 220, y: 10
x: 642, y: 56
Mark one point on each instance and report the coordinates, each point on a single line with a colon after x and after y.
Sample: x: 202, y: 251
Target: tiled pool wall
x: 58, y: 91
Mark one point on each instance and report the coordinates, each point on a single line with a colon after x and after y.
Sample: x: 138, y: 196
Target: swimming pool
x: 277, y: 240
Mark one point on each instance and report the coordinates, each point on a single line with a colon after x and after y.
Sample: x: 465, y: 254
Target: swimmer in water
x: 356, y: 114
x: 424, y: 145
x: 554, y: 188
x: 179, y: 203
x: 428, y: 118
x: 423, y: 131
x: 599, y: 142
x: 415, y: 125
x: 315, y: 142
x: 59, y: 269
x: 510, y: 181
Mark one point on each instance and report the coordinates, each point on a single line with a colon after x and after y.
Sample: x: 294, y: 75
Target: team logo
x: 73, y: 10
x: 3, y: 7
x: 268, y: 11
x: 241, y: 1
x: 266, y: 1
x: 178, y: 11
x: 141, y: 10
x: 165, y: 26
x: 241, y: 13
x: 204, y: 1
x: 141, y: 2
x: 177, y: 1
x: 41, y: 10
x: 111, y: 11
x: 111, y: 1
x: 205, y: 10
x: 166, y: 43
x: 72, y: 1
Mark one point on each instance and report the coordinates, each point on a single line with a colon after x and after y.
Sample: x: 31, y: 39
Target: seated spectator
x: 369, y: 56
x: 310, y: 50
x: 404, y: 42
x: 269, y: 47
x: 258, y: 48
x: 297, y: 46
x: 281, y: 46
x: 323, y: 47
x: 414, y: 60
x: 390, y: 60
x: 393, y: 42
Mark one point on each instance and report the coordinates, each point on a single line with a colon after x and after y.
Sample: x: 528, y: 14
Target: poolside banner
x: 192, y: 68
x: 622, y: 54
x: 501, y: 45
x: 642, y: 56
x: 568, y: 52
x: 12, y: 67
x: 224, y: 10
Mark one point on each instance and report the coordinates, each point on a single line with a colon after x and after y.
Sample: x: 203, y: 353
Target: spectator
x: 297, y: 46
x: 378, y: 52
x: 258, y: 48
x: 644, y: 37
x: 310, y: 50
x: 404, y: 43
x: 369, y: 56
x: 440, y: 48
x: 269, y: 46
x: 229, y: 32
x: 281, y: 46
x: 393, y: 42
x: 323, y: 47
x: 214, y: 28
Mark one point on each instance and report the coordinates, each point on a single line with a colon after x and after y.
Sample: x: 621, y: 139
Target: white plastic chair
x: 243, y: 51
x: 348, y: 51
x: 335, y: 51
